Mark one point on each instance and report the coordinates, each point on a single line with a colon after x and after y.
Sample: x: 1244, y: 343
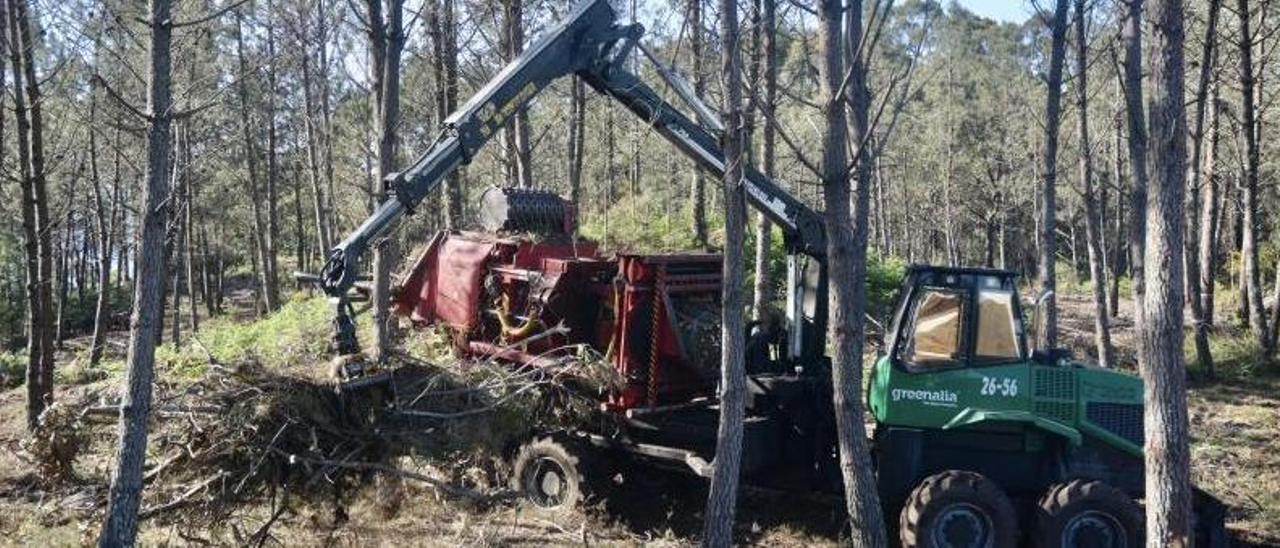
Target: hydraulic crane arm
x: 565, y: 49
x: 590, y: 43
x: 802, y: 226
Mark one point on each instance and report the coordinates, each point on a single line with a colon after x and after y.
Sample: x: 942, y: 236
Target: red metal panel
x: 626, y: 307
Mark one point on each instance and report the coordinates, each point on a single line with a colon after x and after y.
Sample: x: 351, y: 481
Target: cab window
x: 997, y: 331
x: 935, y: 339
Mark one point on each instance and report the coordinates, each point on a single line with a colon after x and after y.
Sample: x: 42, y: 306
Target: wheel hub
x: 1094, y: 529
x: 963, y: 526
x: 546, y: 484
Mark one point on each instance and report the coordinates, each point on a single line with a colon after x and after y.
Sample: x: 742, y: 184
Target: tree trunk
x: 1250, y: 224
x: 723, y: 496
x: 37, y: 226
x: 105, y: 220
x: 1118, y: 253
x: 698, y: 194
x: 387, y: 43
x: 1092, y: 222
x: 176, y: 231
x: 251, y: 163
x: 1195, y: 239
x: 1131, y: 34
x: 1048, y: 325
x: 761, y: 291
x: 1167, y: 449
x: 1209, y: 214
x: 318, y: 202
x: 516, y: 130
x: 270, y: 263
x: 577, y: 139
x: 846, y: 259
x: 121, y: 526
x: 444, y: 42
x: 188, y: 226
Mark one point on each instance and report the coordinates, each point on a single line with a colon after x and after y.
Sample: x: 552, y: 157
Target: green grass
x: 298, y: 332
x: 13, y: 369
x: 1236, y: 355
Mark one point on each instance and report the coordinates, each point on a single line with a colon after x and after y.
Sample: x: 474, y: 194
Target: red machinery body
x: 656, y: 318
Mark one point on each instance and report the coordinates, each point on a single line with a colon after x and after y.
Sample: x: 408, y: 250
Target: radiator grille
x: 1054, y: 393
x: 1122, y: 419
x: 1056, y: 384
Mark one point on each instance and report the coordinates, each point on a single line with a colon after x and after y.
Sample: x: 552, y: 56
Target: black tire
x: 1211, y: 517
x: 1082, y: 513
x: 958, y: 509
x: 547, y: 474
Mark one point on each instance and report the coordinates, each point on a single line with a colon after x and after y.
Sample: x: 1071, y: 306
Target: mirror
x: 1034, y: 331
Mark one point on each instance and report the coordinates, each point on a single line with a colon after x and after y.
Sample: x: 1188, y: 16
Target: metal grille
x: 1055, y: 384
x: 1062, y: 411
x: 1054, y: 393
x: 1122, y: 419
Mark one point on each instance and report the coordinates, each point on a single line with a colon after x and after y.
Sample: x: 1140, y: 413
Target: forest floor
x: 1235, y: 452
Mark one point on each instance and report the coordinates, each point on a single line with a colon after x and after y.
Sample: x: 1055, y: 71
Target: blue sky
x: 1000, y: 10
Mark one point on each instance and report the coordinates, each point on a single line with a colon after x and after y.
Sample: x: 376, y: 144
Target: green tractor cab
x: 977, y: 434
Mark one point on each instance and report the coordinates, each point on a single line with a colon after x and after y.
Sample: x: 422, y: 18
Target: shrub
x: 297, y: 333
x: 13, y: 369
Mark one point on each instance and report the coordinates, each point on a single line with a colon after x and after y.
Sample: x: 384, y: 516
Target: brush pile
x: 243, y: 434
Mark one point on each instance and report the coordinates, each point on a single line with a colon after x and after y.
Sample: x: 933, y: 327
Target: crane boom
x: 590, y: 43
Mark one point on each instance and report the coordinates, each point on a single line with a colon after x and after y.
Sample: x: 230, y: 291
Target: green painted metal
x: 1073, y: 400
x: 1054, y: 399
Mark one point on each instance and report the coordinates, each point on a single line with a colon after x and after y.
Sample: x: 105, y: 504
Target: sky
x: 1013, y: 11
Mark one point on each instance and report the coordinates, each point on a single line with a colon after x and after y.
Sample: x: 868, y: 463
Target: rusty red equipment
x: 655, y: 318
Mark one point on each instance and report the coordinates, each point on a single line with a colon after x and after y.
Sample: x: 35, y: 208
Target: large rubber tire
x: 548, y: 474
x: 1211, y: 517
x: 1082, y: 513
x: 958, y: 509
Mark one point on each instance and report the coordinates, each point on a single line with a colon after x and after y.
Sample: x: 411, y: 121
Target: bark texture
x: 1131, y: 35
x: 1168, y: 456
x: 1249, y: 122
x: 722, y: 499
x: 846, y: 258
x: 386, y: 39
x: 1048, y: 323
x: 767, y: 104
x: 1198, y: 261
x: 121, y: 526
x: 1092, y: 218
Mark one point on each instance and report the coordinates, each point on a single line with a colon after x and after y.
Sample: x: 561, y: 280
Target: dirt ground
x: 1236, y: 455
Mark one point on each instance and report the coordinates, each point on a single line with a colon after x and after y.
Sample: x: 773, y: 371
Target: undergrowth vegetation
x: 298, y: 333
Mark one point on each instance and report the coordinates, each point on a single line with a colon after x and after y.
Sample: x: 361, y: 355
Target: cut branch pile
x: 243, y: 434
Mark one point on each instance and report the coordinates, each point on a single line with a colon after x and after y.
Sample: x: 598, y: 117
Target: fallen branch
x: 182, y: 499
x: 439, y: 484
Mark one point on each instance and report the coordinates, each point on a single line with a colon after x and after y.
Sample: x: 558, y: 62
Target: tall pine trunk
x: 1131, y: 35
x: 846, y: 257
x: 1196, y: 239
x: 105, y: 220
x: 37, y: 225
x: 768, y: 152
x: 698, y: 192
x: 1167, y: 447
x: 1210, y: 213
x: 1048, y: 323
x: 1250, y: 225
x: 387, y: 40
x: 121, y: 526
x: 444, y: 43
x: 258, y: 237
x: 1092, y: 219
x: 723, y: 497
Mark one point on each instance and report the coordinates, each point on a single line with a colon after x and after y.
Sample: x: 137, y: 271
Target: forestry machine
x: 978, y: 440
